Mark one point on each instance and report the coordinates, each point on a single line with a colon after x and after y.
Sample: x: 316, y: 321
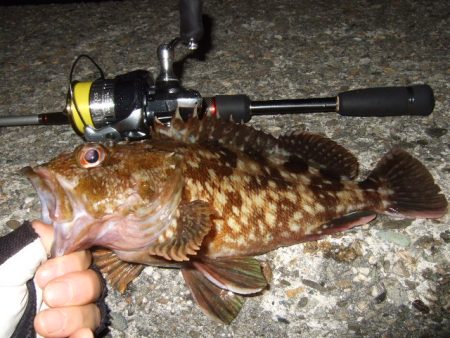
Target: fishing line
x: 72, y: 83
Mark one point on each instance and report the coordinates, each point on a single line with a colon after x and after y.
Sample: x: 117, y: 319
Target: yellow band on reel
x: 81, y: 117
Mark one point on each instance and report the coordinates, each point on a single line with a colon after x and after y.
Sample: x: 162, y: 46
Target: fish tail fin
x: 405, y: 187
x: 217, y: 285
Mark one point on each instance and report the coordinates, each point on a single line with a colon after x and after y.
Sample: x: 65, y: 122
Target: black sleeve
x: 16, y: 241
x: 11, y: 244
x: 25, y: 327
x: 103, y: 328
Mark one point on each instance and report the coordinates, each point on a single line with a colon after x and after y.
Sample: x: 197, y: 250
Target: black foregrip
x: 387, y: 101
x: 53, y: 118
x: 191, y: 24
x: 235, y: 107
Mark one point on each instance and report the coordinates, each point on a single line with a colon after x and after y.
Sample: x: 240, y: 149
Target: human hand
x: 70, y: 290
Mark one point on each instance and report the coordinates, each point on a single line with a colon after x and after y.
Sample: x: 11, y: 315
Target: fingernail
x: 58, y: 293
x: 52, y: 320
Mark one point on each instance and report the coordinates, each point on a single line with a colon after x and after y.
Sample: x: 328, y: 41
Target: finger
x: 82, y: 333
x: 58, y: 266
x: 75, y: 288
x: 65, y: 321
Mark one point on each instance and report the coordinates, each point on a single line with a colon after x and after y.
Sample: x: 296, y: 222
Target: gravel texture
x: 389, y: 279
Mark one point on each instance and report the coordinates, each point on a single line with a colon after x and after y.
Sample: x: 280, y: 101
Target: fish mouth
x: 54, y: 208
x: 44, y: 185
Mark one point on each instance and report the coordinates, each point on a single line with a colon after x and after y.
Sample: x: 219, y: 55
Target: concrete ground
x: 389, y: 279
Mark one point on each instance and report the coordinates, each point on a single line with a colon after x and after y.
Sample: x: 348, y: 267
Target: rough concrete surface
x: 388, y: 279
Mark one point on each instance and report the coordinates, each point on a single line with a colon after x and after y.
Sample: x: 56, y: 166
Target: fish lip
x: 49, y: 190
x: 42, y: 183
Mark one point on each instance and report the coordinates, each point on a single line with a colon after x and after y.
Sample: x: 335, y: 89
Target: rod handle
x: 387, y: 101
x: 232, y: 107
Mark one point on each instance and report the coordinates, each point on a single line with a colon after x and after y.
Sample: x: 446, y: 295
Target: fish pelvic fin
x: 192, y: 225
x: 218, y: 304
x: 116, y: 271
x: 242, y: 275
x: 406, y: 188
x: 217, y: 285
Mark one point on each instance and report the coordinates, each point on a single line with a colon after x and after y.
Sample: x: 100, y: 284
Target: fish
x: 207, y: 196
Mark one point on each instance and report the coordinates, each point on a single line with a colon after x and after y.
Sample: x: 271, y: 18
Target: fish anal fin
x: 242, y: 275
x: 116, y: 271
x: 218, y: 304
x: 334, y: 160
x: 346, y: 222
x: 191, y: 226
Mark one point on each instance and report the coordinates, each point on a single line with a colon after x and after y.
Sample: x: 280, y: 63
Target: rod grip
x: 233, y: 107
x: 191, y: 22
x: 387, y: 101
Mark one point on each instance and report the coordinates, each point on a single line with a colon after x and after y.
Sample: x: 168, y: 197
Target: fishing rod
x: 126, y: 106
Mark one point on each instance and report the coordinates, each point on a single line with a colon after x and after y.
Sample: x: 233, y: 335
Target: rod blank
x: 27, y: 120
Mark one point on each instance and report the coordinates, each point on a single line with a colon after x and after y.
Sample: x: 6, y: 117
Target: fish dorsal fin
x: 225, y: 133
x: 296, y: 151
x: 330, y: 156
x: 185, y: 237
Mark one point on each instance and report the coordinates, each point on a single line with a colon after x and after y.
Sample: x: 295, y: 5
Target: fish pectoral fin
x: 218, y: 304
x: 242, y: 275
x: 192, y: 225
x: 116, y: 271
x: 346, y: 222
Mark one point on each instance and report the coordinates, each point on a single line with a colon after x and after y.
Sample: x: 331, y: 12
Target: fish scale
x: 280, y: 199
x: 207, y: 195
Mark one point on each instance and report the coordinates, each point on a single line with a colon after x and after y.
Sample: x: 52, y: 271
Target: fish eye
x: 91, y: 155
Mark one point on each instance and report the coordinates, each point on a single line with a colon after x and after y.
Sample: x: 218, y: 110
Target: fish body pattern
x: 207, y: 195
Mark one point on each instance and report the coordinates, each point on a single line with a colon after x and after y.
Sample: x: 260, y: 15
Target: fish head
x: 119, y: 196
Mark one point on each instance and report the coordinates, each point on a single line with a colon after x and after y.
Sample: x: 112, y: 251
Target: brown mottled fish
x: 207, y: 195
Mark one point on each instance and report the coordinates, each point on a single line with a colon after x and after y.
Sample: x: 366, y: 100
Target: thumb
x: 45, y: 232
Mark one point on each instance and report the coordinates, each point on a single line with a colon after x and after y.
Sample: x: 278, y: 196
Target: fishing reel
x: 126, y: 106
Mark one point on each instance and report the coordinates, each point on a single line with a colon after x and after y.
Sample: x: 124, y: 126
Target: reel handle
x: 387, y: 101
x: 191, y: 22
